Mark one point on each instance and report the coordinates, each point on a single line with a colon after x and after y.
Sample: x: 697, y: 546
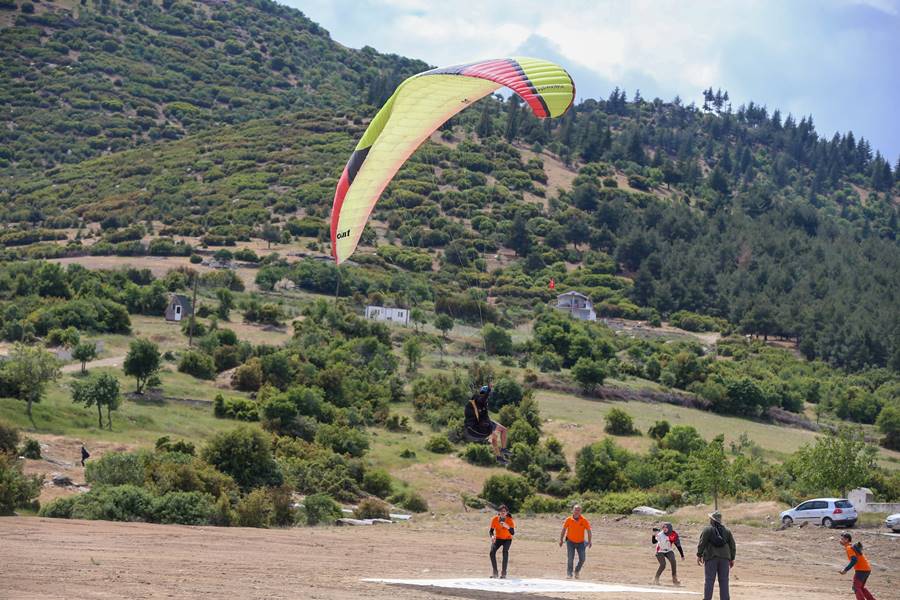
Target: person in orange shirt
x: 573, y: 532
x: 858, y: 563
x: 503, y: 528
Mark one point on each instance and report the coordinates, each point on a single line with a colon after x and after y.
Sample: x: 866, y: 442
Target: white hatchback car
x: 827, y: 512
x: 893, y: 522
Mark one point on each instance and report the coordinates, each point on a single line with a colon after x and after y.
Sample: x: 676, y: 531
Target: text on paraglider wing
x: 343, y: 234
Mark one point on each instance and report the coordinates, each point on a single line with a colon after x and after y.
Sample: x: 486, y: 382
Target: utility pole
x: 193, y: 311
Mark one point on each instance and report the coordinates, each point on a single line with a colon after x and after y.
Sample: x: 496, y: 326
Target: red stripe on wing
x: 508, y: 73
x: 339, y: 194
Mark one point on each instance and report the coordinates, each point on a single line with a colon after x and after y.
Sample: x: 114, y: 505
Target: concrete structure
x: 576, y: 304
x: 381, y: 313
x: 179, y: 307
x: 863, y: 499
x: 284, y: 285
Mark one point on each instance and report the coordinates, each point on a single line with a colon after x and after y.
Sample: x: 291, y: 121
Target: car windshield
x: 843, y: 504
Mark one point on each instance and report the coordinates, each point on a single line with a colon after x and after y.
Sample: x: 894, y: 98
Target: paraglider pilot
x: 479, y: 427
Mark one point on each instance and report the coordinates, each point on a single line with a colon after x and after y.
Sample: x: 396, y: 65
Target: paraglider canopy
x: 417, y: 108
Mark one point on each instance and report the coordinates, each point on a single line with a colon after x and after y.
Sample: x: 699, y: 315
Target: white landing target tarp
x: 519, y: 586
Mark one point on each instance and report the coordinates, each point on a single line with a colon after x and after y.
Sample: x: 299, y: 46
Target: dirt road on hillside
x: 44, y: 559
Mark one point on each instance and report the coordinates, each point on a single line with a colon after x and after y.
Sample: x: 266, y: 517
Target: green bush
x: 538, y: 504
x: 61, y: 508
x: 343, y: 440
x: 183, y: 508
x: 479, y: 454
x: 507, y: 391
x: 684, y: 439
x: 659, y: 429
x: 118, y: 468
x: 245, y: 454
x: 439, y: 444
x: 620, y: 503
x: 321, y: 508
x: 377, y: 482
x: 372, y: 508
x: 180, y: 473
x: 31, y: 449
x: 283, y: 512
x: 523, y: 433
x: 17, y: 490
x: 115, y: 503
x: 411, y: 501
x: 9, y: 438
x: 255, y: 509
x: 223, y: 514
x: 510, y: 490
x: 241, y: 409
x: 198, y: 364
x: 497, y: 341
x: 619, y: 422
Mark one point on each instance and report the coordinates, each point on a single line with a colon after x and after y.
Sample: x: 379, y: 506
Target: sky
x: 836, y: 60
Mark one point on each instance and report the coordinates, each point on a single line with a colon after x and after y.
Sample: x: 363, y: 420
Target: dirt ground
x: 62, y: 455
x: 44, y: 559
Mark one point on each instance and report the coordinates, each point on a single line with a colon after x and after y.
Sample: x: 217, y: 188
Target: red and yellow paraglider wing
x: 417, y: 108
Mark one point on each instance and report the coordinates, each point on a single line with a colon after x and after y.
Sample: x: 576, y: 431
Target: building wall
x: 394, y: 315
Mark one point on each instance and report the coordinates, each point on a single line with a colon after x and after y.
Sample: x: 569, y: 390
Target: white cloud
x: 799, y: 55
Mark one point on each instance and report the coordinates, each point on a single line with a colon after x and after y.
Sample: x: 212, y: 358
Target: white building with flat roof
x: 382, y: 313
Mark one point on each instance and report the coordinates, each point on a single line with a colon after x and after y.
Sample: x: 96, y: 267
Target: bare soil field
x: 44, y: 559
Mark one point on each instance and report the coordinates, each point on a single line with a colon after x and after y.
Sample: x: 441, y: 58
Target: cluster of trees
x: 74, y: 94
x: 682, y: 467
x: 314, y: 398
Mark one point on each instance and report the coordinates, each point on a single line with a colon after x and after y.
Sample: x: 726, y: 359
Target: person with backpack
x: 666, y: 541
x: 860, y: 564
x: 503, y: 528
x: 716, y: 552
x: 479, y: 427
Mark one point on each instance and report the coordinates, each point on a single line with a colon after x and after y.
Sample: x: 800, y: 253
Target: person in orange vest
x: 573, y: 531
x: 503, y: 528
x: 859, y: 564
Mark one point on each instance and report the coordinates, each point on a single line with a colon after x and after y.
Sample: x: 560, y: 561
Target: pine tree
x: 519, y: 239
x: 635, y: 150
x: 486, y: 124
x: 512, y: 117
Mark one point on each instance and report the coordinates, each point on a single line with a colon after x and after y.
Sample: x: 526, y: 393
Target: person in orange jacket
x: 573, y: 531
x: 503, y: 528
x: 859, y: 564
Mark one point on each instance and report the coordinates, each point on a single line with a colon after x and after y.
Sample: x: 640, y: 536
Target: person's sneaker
x: 505, y: 452
x: 656, y: 581
x: 494, y: 576
x: 676, y: 583
x: 503, y: 576
x: 569, y: 576
x: 502, y: 459
x: 577, y: 575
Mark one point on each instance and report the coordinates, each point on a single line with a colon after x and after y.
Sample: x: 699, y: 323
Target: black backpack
x: 717, y: 537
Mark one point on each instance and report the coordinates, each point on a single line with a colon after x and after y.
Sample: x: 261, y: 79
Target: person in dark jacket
x: 479, y: 427
x: 84, y: 454
x: 716, y: 551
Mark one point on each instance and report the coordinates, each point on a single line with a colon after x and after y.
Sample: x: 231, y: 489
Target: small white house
x: 179, y: 307
x: 863, y: 499
x: 381, y: 313
x: 576, y: 304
